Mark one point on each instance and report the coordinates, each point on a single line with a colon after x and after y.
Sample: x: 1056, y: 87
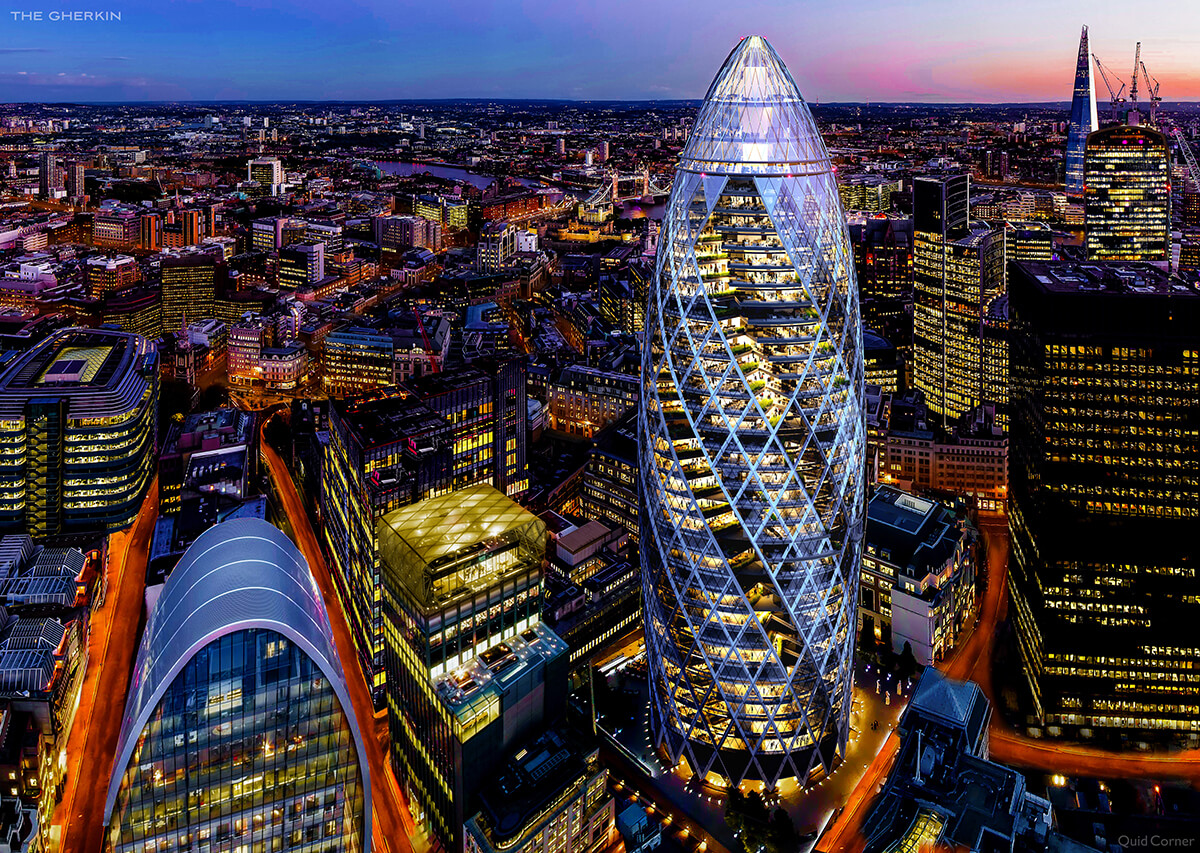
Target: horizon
x: 371, y: 51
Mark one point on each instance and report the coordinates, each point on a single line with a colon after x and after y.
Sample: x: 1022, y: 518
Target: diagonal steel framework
x: 752, y: 441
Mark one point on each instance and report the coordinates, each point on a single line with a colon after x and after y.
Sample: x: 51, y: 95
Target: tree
x: 908, y: 661
x: 735, y: 807
x: 781, y: 833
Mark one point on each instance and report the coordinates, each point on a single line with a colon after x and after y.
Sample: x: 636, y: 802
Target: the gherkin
x: 752, y: 441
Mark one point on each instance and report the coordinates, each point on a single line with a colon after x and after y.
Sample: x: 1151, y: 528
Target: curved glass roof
x: 237, y: 575
x: 754, y: 120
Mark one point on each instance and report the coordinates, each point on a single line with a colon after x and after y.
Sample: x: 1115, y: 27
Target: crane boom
x: 1152, y: 88
x: 1114, y: 96
x: 1137, y: 60
x: 1189, y: 158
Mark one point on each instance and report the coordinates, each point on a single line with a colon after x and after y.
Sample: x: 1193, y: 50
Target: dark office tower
x: 1189, y: 244
x: 238, y: 731
x: 1105, y: 496
x: 1083, y: 117
x: 752, y: 442
x: 78, y: 418
x: 48, y: 179
x: 1127, y: 202
x: 883, y: 263
x: 189, y: 226
x: 958, y: 271
x: 189, y: 286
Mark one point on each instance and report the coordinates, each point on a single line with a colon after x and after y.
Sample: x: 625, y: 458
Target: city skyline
x: 372, y: 51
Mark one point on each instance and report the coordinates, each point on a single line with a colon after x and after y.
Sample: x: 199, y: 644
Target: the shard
x: 1083, y: 117
x: 752, y: 441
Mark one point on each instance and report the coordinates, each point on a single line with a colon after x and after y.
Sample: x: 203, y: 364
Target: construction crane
x: 1192, y: 179
x: 433, y: 360
x: 1114, y: 96
x: 1152, y: 88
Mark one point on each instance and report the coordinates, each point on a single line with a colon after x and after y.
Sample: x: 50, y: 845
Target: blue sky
x: 838, y: 50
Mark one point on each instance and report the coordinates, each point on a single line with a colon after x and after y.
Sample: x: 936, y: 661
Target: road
x: 972, y: 660
x: 113, y: 638
x: 393, y: 827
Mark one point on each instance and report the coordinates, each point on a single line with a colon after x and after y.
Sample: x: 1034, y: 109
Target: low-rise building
x: 918, y: 574
x: 584, y: 400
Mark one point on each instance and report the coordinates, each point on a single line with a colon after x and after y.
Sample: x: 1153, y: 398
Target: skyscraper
x: 1105, y: 496
x: 239, y: 728
x: 1083, y: 117
x: 1127, y: 201
x: 752, y: 441
x: 958, y: 271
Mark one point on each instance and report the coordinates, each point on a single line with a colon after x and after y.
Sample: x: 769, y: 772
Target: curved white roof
x: 239, y: 574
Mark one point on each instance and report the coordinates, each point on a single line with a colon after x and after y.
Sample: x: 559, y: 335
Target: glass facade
x: 1083, y: 117
x: 78, y: 424
x: 1127, y: 200
x: 958, y: 274
x: 752, y: 441
x: 238, y: 732
x: 1105, y: 498
x: 249, y: 748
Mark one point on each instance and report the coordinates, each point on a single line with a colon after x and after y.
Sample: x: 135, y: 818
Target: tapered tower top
x: 754, y: 121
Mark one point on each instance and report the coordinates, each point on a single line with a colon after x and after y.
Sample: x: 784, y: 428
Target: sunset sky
x: 839, y: 50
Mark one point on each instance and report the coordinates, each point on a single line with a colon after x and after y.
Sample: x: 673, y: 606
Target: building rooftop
x: 469, y: 690
x: 910, y: 532
x: 433, y: 547
x: 1113, y: 277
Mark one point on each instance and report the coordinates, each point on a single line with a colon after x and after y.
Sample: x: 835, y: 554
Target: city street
x: 393, y: 828
x: 113, y: 638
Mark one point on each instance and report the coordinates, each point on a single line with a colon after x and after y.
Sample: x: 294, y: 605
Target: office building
x: 470, y: 669
x: 199, y: 444
x: 301, y: 265
x: 1127, y: 197
x: 610, y: 483
x: 247, y: 340
x: 918, y: 575
x: 74, y: 179
x: 552, y: 796
x: 393, y: 447
x: 958, y: 272
x: 872, y: 193
x: 943, y: 791
x: 78, y: 416
x: 116, y: 227
x: 268, y: 172
x: 969, y: 461
x: 238, y: 729
x: 883, y: 264
x: 359, y: 357
x: 190, y: 284
x: 1083, y: 118
x: 109, y: 275
x: 186, y: 230
x: 584, y: 400
x: 1105, y: 500
x: 497, y: 243
x: 752, y: 442
x: 331, y: 234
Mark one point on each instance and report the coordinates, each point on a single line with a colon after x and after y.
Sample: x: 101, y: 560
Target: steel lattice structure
x: 752, y: 441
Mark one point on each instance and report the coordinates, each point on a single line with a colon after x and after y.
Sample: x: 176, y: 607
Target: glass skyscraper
x: 238, y: 733
x: 1127, y: 202
x: 1083, y: 117
x: 752, y: 441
